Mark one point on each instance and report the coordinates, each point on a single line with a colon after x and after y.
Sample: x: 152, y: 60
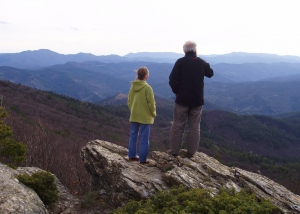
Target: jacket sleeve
x: 174, y: 78
x: 208, y: 71
x: 151, y: 101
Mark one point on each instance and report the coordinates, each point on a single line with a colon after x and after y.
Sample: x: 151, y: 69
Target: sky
x: 128, y: 26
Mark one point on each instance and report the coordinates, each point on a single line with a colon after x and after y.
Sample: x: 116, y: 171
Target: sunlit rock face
x: 114, y: 175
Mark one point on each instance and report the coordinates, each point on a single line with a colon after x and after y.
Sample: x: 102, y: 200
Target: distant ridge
x: 232, y: 58
x: 118, y: 99
x: 170, y: 55
x: 45, y: 57
x: 242, y: 57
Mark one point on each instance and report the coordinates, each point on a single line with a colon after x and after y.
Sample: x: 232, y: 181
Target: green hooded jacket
x: 141, y: 102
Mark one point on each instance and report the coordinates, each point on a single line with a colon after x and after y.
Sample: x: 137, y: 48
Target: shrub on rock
x: 43, y: 184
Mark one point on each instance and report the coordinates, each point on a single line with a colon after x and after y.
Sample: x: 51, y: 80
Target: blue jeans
x: 144, y: 132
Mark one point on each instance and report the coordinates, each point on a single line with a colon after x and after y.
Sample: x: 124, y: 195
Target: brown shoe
x: 146, y: 162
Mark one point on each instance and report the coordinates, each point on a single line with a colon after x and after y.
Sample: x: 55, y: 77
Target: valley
x: 54, y: 127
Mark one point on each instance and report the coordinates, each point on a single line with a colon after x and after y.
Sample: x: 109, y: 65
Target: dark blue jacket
x: 187, y: 79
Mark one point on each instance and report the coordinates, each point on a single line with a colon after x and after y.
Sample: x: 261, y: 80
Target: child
x: 142, y: 113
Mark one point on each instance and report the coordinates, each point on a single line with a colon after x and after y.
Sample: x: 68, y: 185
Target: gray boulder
x: 66, y: 202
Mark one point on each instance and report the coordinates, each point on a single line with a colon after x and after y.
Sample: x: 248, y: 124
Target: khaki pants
x: 181, y: 114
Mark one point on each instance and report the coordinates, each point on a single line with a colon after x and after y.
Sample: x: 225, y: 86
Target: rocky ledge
x: 114, y: 175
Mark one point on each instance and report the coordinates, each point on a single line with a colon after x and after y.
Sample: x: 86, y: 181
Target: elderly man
x: 187, y: 83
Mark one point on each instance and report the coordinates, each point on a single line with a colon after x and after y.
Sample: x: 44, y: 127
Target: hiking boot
x: 189, y: 155
x: 184, y: 154
x: 169, y: 152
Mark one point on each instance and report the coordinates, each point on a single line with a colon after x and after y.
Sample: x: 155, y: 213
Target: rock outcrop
x: 113, y: 174
x: 66, y: 201
x: 16, y: 198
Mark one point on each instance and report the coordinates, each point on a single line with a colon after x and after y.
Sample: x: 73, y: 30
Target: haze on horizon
x: 120, y: 27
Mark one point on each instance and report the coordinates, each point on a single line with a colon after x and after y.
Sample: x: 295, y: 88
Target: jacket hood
x: 137, y: 85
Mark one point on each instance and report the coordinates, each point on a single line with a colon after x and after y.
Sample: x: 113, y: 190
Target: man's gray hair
x: 190, y: 46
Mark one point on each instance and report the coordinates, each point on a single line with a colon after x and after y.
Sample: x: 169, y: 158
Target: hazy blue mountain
x: 69, y: 79
x: 150, y: 59
x: 233, y: 88
x: 269, y: 98
x: 241, y: 57
x: 231, y: 58
x: 248, y: 72
x: 44, y: 57
x: 90, y: 81
x: 167, y: 55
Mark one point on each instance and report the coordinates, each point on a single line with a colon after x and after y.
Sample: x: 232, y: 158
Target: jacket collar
x: 191, y: 54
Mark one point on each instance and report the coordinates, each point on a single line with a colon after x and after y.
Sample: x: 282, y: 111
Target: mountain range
x: 249, y: 88
x: 45, y: 57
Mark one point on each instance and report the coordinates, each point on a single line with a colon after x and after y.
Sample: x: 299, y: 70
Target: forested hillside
x: 55, y: 127
x: 263, y: 97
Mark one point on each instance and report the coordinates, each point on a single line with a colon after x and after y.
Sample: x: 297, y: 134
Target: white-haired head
x: 190, y: 46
